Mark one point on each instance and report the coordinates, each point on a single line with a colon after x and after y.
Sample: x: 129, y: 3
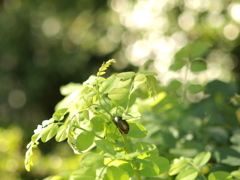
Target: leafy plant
x: 97, y: 119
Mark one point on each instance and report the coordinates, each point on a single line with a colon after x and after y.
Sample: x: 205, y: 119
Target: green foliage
x: 85, y: 118
x: 187, y: 168
x: 94, y: 119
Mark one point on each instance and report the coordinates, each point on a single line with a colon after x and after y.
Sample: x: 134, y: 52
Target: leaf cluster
x: 84, y: 118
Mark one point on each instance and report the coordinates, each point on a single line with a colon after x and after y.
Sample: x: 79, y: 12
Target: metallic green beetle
x: 121, y: 124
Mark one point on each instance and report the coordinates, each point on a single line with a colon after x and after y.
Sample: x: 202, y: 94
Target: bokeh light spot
x: 231, y: 31
x: 11, y: 165
x: 51, y: 26
x: 235, y: 12
x: 186, y: 21
x: 56, y: 162
x: 17, y: 99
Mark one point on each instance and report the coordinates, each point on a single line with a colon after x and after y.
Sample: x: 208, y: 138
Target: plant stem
x: 128, y: 151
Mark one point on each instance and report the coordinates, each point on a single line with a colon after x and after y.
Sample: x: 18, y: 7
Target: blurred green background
x: 47, y: 44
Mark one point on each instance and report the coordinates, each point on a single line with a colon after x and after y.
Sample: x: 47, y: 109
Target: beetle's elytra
x: 121, y: 124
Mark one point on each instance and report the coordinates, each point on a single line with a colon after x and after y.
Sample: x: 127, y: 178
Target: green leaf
x: 219, y: 134
x: 49, y: 132
x: 202, y: 158
x: 126, y: 75
x: 118, y: 93
x: 137, y: 130
x: 220, y: 175
x: 112, y: 132
x: 149, y: 73
x: 61, y: 133
x: 97, y: 123
x: 153, y: 165
x: 187, y: 174
x: 104, y: 67
x: 69, y: 88
x: 109, y: 84
x: 115, y: 173
x: 84, y: 140
x: 198, y: 66
x: 86, y: 114
x: 93, y: 160
x: 177, y: 166
x: 179, y: 64
x: 59, y: 114
x: 125, y: 84
x: 235, y: 139
x: 232, y: 158
x: 106, y: 146
x: 145, y: 149
x: 148, y: 167
x: 217, y: 86
x: 28, y: 159
x: 151, y: 85
x: 83, y: 173
x: 127, y: 168
x: 36, y: 137
x: 162, y: 162
x: 192, y: 50
x: 236, y: 174
x: 138, y: 80
x: 198, y: 48
x: 174, y: 85
x: 195, y: 88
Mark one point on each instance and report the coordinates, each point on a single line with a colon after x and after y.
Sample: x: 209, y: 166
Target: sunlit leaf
x: 153, y: 165
x: 148, y: 167
x: 127, y: 168
x: 61, y: 133
x: 118, y: 93
x: 220, y: 175
x: 149, y: 73
x: 97, y: 123
x: 151, y: 85
x: 59, y: 114
x: 139, y: 79
x: 109, y: 84
x: 83, y: 173
x: 84, y: 140
x: 93, y: 160
x: 145, y: 149
x: 126, y: 75
x: 236, y: 174
x: 202, y: 158
x: 69, y: 88
x: 49, y: 132
x: 187, y: 174
x: 36, y: 137
x: 125, y: 84
x: 178, y: 166
x: 106, y: 146
x: 104, y: 67
x: 137, y: 130
x: 115, y: 173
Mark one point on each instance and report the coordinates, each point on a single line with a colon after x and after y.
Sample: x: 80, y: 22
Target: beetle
x: 121, y: 124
